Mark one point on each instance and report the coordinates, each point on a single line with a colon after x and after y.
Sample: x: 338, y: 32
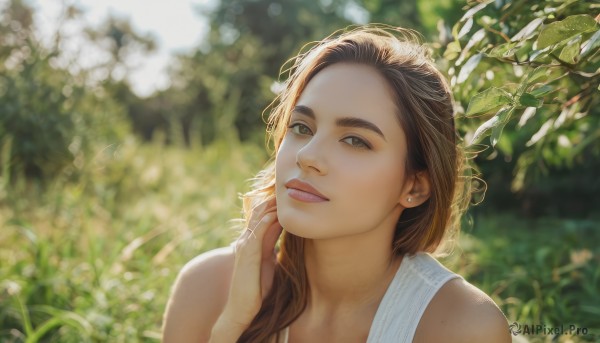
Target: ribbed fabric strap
x: 418, y: 279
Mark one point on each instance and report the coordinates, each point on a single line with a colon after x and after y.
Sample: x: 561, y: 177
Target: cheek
x: 284, y: 159
x: 374, y: 191
x: 375, y: 179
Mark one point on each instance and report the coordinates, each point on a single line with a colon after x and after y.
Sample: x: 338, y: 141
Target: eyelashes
x: 297, y: 129
x: 361, y: 143
x: 298, y: 125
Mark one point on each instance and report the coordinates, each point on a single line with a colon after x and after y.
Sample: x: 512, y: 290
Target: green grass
x: 91, y: 256
x: 93, y: 259
x: 539, y: 271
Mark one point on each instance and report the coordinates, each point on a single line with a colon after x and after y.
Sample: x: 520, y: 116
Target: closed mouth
x: 305, y: 187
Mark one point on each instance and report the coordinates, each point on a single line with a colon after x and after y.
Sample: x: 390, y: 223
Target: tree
x: 224, y: 85
x: 117, y: 36
x: 527, y: 74
x: 49, y: 118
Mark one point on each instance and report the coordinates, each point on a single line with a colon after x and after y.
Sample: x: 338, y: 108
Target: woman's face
x: 344, y: 139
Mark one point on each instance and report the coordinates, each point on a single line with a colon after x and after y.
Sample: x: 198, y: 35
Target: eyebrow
x: 343, y: 122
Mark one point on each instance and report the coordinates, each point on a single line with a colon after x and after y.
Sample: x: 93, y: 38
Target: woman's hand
x: 254, y: 268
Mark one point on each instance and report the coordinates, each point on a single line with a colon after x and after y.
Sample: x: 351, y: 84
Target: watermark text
x: 540, y: 329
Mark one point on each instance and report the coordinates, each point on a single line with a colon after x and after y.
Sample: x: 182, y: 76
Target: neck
x: 349, y: 274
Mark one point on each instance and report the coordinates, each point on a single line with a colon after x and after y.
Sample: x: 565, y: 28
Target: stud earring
x: 409, y: 199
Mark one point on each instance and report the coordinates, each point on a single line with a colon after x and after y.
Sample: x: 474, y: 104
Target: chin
x: 298, y: 224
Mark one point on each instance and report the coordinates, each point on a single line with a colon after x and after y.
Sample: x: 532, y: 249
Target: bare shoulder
x: 460, y: 312
x: 198, y: 297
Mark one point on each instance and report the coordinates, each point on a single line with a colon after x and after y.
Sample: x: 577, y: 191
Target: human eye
x: 357, y: 142
x: 299, y: 129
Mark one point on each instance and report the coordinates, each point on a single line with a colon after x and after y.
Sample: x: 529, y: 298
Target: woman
x: 366, y: 181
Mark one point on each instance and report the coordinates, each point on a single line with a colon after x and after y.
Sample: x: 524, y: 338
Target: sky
x: 175, y: 24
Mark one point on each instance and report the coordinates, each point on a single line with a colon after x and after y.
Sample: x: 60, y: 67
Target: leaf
x: 522, y: 51
x: 465, y: 29
x: 539, y: 54
x: 499, y: 119
x: 528, y: 100
x: 527, y: 114
x: 452, y: 50
x: 470, y: 13
x: 476, y: 38
x: 541, y: 91
x: 541, y: 133
x: 485, y: 127
x: 590, y: 44
x: 503, y: 117
x: 570, y: 53
x: 455, y: 30
x: 528, y: 30
x: 468, y: 68
x: 559, y: 31
x: 502, y: 50
x: 537, y: 73
x: 487, y: 101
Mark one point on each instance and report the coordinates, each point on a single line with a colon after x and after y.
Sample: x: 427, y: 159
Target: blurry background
x: 128, y: 129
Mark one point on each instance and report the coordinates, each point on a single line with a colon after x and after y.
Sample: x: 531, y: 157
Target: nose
x: 311, y: 157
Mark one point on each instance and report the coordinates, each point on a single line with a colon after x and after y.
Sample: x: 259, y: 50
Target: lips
x: 305, y: 187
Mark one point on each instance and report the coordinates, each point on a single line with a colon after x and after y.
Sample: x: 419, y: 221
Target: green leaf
x: 499, y: 119
x: 570, y: 53
x: 476, y: 38
x: 539, y: 54
x: 468, y: 68
x: 529, y: 100
x: 452, y: 50
x: 503, y: 117
x: 527, y: 114
x: 484, y: 128
x: 590, y: 44
x: 540, y: 133
x: 471, y: 12
x: 488, y: 100
x: 559, y: 31
x: 522, y: 51
x: 537, y: 73
x: 503, y: 50
x: 465, y: 29
x: 528, y: 31
x: 541, y: 91
x: 455, y: 30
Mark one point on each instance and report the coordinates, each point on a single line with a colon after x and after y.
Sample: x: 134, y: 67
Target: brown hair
x: 425, y: 112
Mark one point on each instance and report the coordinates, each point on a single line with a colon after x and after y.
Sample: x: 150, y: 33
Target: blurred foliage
x: 224, y: 85
x: 90, y: 255
x: 92, y: 260
x: 49, y: 118
x: 231, y: 78
x: 539, y: 271
x: 117, y: 36
x: 524, y: 73
x: 528, y: 75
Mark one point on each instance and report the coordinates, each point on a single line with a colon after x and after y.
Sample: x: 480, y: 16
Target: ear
x: 417, y: 190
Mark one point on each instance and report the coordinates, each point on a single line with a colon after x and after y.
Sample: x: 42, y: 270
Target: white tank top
x: 417, y: 280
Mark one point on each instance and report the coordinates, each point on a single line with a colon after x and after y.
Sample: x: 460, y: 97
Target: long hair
x: 425, y: 112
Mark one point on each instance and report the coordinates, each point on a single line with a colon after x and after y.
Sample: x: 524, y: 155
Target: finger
x: 258, y: 212
x: 265, y: 205
x: 270, y: 239
x: 251, y: 241
x: 248, y: 257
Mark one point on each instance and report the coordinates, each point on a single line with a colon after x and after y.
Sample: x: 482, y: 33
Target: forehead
x: 346, y: 89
